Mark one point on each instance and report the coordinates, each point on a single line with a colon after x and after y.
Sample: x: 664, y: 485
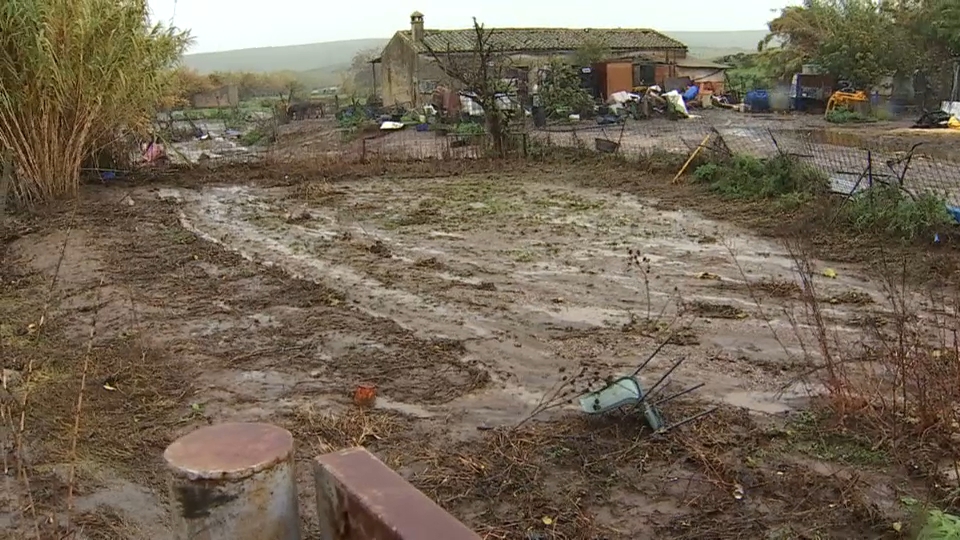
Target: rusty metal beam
x: 360, y: 498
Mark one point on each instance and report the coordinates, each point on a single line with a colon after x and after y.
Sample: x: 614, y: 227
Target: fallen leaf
x: 830, y: 273
x: 897, y: 526
x: 107, y: 386
x: 547, y: 520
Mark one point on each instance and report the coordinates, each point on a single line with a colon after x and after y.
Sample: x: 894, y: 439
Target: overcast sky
x: 220, y: 25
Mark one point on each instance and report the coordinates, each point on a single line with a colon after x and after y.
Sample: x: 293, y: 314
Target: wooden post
x: 690, y: 159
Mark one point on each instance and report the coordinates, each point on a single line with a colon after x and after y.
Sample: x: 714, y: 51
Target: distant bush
x: 747, y: 177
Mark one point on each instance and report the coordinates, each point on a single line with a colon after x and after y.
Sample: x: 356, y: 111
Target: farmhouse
x: 410, y: 74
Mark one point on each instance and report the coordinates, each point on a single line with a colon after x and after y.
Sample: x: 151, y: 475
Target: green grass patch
x: 940, y: 526
x: 932, y: 523
x: 890, y: 210
x: 257, y: 136
x: 807, y: 433
x: 569, y: 201
x: 750, y: 178
x: 846, y: 116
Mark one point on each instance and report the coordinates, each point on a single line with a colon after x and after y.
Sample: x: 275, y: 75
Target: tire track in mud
x: 521, y: 330
x: 213, y: 216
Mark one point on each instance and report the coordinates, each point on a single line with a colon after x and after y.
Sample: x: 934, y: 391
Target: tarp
x: 675, y: 102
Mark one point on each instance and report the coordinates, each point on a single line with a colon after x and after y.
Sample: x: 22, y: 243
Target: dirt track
x: 464, y: 299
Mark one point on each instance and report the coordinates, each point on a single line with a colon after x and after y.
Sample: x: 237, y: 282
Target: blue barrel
x: 758, y: 100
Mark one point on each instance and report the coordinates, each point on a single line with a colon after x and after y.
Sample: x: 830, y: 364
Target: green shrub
x: 846, y: 116
x: 561, y: 93
x: 747, y: 177
x: 470, y: 128
x: 255, y: 136
x: 890, y: 210
x: 940, y: 526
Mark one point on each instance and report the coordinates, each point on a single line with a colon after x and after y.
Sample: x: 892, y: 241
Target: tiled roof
x: 548, y: 39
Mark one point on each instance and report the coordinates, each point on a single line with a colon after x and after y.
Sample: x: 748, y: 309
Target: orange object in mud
x: 365, y: 395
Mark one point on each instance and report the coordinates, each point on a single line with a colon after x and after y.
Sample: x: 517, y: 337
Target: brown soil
x: 464, y: 298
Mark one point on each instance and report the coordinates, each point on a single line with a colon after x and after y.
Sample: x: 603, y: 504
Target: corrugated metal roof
x: 547, y: 39
x: 693, y: 62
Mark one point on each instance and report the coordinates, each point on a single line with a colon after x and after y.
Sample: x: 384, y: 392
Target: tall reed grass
x: 77, y: 77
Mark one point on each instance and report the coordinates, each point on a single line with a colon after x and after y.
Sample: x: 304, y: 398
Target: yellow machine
x: 847, y: 98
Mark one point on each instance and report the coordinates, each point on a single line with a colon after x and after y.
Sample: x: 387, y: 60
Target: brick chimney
x: 416, y: 26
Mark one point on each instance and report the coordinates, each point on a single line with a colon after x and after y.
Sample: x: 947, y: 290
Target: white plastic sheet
x: 675, y: 102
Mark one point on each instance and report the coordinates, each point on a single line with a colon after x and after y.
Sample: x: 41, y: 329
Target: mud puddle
x: 512, y: 268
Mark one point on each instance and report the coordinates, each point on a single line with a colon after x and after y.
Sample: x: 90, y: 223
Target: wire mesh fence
x: 851, y: 160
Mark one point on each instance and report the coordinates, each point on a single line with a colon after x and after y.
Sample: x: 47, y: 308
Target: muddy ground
x: 269, y: 295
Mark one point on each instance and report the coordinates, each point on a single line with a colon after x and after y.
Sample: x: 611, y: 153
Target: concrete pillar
x: 234, y: 482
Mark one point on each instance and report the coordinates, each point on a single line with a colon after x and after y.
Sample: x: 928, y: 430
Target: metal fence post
x: 234, y: 482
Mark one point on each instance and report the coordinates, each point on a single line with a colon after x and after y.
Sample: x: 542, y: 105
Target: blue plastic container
x: 758, y: 100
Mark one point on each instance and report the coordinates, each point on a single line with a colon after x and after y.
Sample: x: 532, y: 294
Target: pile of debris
x: 937, y: 120
x: 653, y: 102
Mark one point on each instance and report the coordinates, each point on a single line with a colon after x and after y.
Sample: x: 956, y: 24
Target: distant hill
x: 329, y: 56
x: 333, y: 56
x: 712, y: 45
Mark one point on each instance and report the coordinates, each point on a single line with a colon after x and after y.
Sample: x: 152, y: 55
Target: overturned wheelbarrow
x: 627, y: 392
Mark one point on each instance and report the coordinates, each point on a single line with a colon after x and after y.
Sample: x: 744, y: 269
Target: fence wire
x: 851, y: 160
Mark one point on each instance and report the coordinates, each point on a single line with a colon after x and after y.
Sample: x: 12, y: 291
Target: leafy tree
x: 747, y: 71
x: 591, y: 52
x: 864, y: 40
x: 188, y: 82
x: 561, y: 94
x: 858, y: 40
x: 360, y: 74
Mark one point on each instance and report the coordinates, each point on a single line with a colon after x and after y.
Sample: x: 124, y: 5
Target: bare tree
x: 481, y: 72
